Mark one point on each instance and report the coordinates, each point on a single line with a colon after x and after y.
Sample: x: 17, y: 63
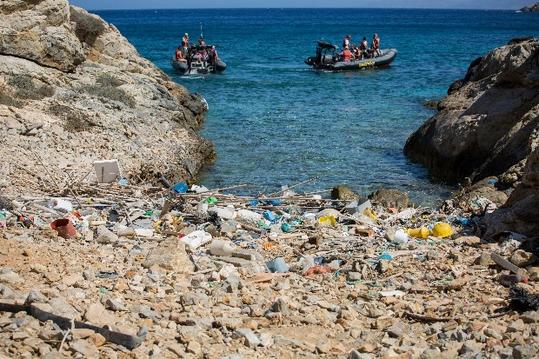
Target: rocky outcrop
x: 521, y: 211
x: 531, y: 8
x: 73, y: 90
x: 489, y: 122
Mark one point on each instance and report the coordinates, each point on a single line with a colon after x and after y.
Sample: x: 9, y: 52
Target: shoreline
x: 148, y: 265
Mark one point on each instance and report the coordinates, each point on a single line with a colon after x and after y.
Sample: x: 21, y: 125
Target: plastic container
x: 196, y: 239
x: 64, y: 228
x: 181, y: 187
x: 249, y: 216
x: 401, y: 236
x: 222, y: 248
x: 278, y: 265
x: 61, y: 205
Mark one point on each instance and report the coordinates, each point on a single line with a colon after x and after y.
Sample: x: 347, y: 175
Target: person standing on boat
x: 185, y: 40
x: 346, y: 41
x: 376, y: 45
x: 363, y: 47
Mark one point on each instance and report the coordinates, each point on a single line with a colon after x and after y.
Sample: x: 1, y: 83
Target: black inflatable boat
x: 199, y: 61
x: 327, y: 59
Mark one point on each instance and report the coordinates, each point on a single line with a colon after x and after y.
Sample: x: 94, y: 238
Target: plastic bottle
x: 249, y: 216
x: 222, y: 248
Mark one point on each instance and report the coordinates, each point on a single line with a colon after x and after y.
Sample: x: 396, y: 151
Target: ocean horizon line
x: 309, y: 8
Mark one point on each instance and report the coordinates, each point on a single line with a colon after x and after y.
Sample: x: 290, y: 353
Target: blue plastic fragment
x: 277, y: 265
x: 254, y: 203
x: 385, y: 256
x: 181, y: 187
x: 123, y: 182
x: 270, y: 216
x: 285, y: 227
x: 273, y: 202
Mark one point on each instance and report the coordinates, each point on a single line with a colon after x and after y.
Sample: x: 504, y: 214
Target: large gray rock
x: 489, y: 121
x: 40, y: 31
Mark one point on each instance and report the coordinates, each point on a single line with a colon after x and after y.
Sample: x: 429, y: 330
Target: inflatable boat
x: 199, y: 61
x: 327, y: 59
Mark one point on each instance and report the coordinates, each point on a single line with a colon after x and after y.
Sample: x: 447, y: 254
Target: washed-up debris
x: 210, y: 272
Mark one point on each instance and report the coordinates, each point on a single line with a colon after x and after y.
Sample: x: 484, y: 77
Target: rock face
x: 521, y: 211
x: 489, y: 122
x: 531, y: 8
x: 73, y: 90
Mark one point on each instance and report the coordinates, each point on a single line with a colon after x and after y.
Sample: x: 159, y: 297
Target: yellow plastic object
x: 370, y: 213
x: 327, y: 221
x: 422, y: 232
x: 442, y: 230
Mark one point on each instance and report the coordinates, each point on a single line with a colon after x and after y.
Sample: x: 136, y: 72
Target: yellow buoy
x: 442, y: 230
x: 422, y: 232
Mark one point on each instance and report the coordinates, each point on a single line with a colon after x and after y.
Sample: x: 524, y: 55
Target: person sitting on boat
x: 201, y: 41
x: 182, y: 53
x: 346, y: 54
x: 376, y: 45
x: 213, y: 55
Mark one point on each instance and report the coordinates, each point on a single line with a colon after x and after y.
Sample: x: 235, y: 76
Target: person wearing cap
x: 185, y: 40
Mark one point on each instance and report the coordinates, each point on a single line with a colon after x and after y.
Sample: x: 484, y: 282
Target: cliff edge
x: 73, y: 90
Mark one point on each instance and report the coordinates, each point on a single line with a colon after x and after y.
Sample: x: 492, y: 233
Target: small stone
x: 469, y: 240
x: 72, y: 279
x: 429, y: 353
x: 97, y: 314
x: 367, y: 348
x: 470, y: 347
x: 396, y: 330
x: 354, y: 354
x: 522, y: 259
x: 251, y: 340
x: 170, y: 255
x: 194, y: 347
x: 280, y: 306
x: 88, y: 350
x: 493, y: 333
x: 114, y: 304
x: 354, y: 276
x: 62, y: 308
x: 10, y: 277
x: 516, y: 326
x: 534, y: 273
x: 344, y: 193
x: 266, y: 340
x: 88, y: 274
x: 530, y: 317
x: 384, y: 266
x: 105, y: 236
x: 485, y: 260
x: 524, y: 352
x: 82, y: 333
x: 97, y: 339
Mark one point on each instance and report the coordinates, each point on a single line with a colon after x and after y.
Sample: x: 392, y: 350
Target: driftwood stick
x: 427, y: 318
x: 126, y: 340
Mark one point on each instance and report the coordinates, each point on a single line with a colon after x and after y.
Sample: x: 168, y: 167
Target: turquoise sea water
x: 276, y: 122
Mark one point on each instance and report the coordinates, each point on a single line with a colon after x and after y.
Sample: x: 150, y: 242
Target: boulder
x: 344, y: 193
x: 389, y: 197
x: 489, y: 121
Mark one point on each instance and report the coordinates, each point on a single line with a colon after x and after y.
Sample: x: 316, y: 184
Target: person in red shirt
x: 346, y: 54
